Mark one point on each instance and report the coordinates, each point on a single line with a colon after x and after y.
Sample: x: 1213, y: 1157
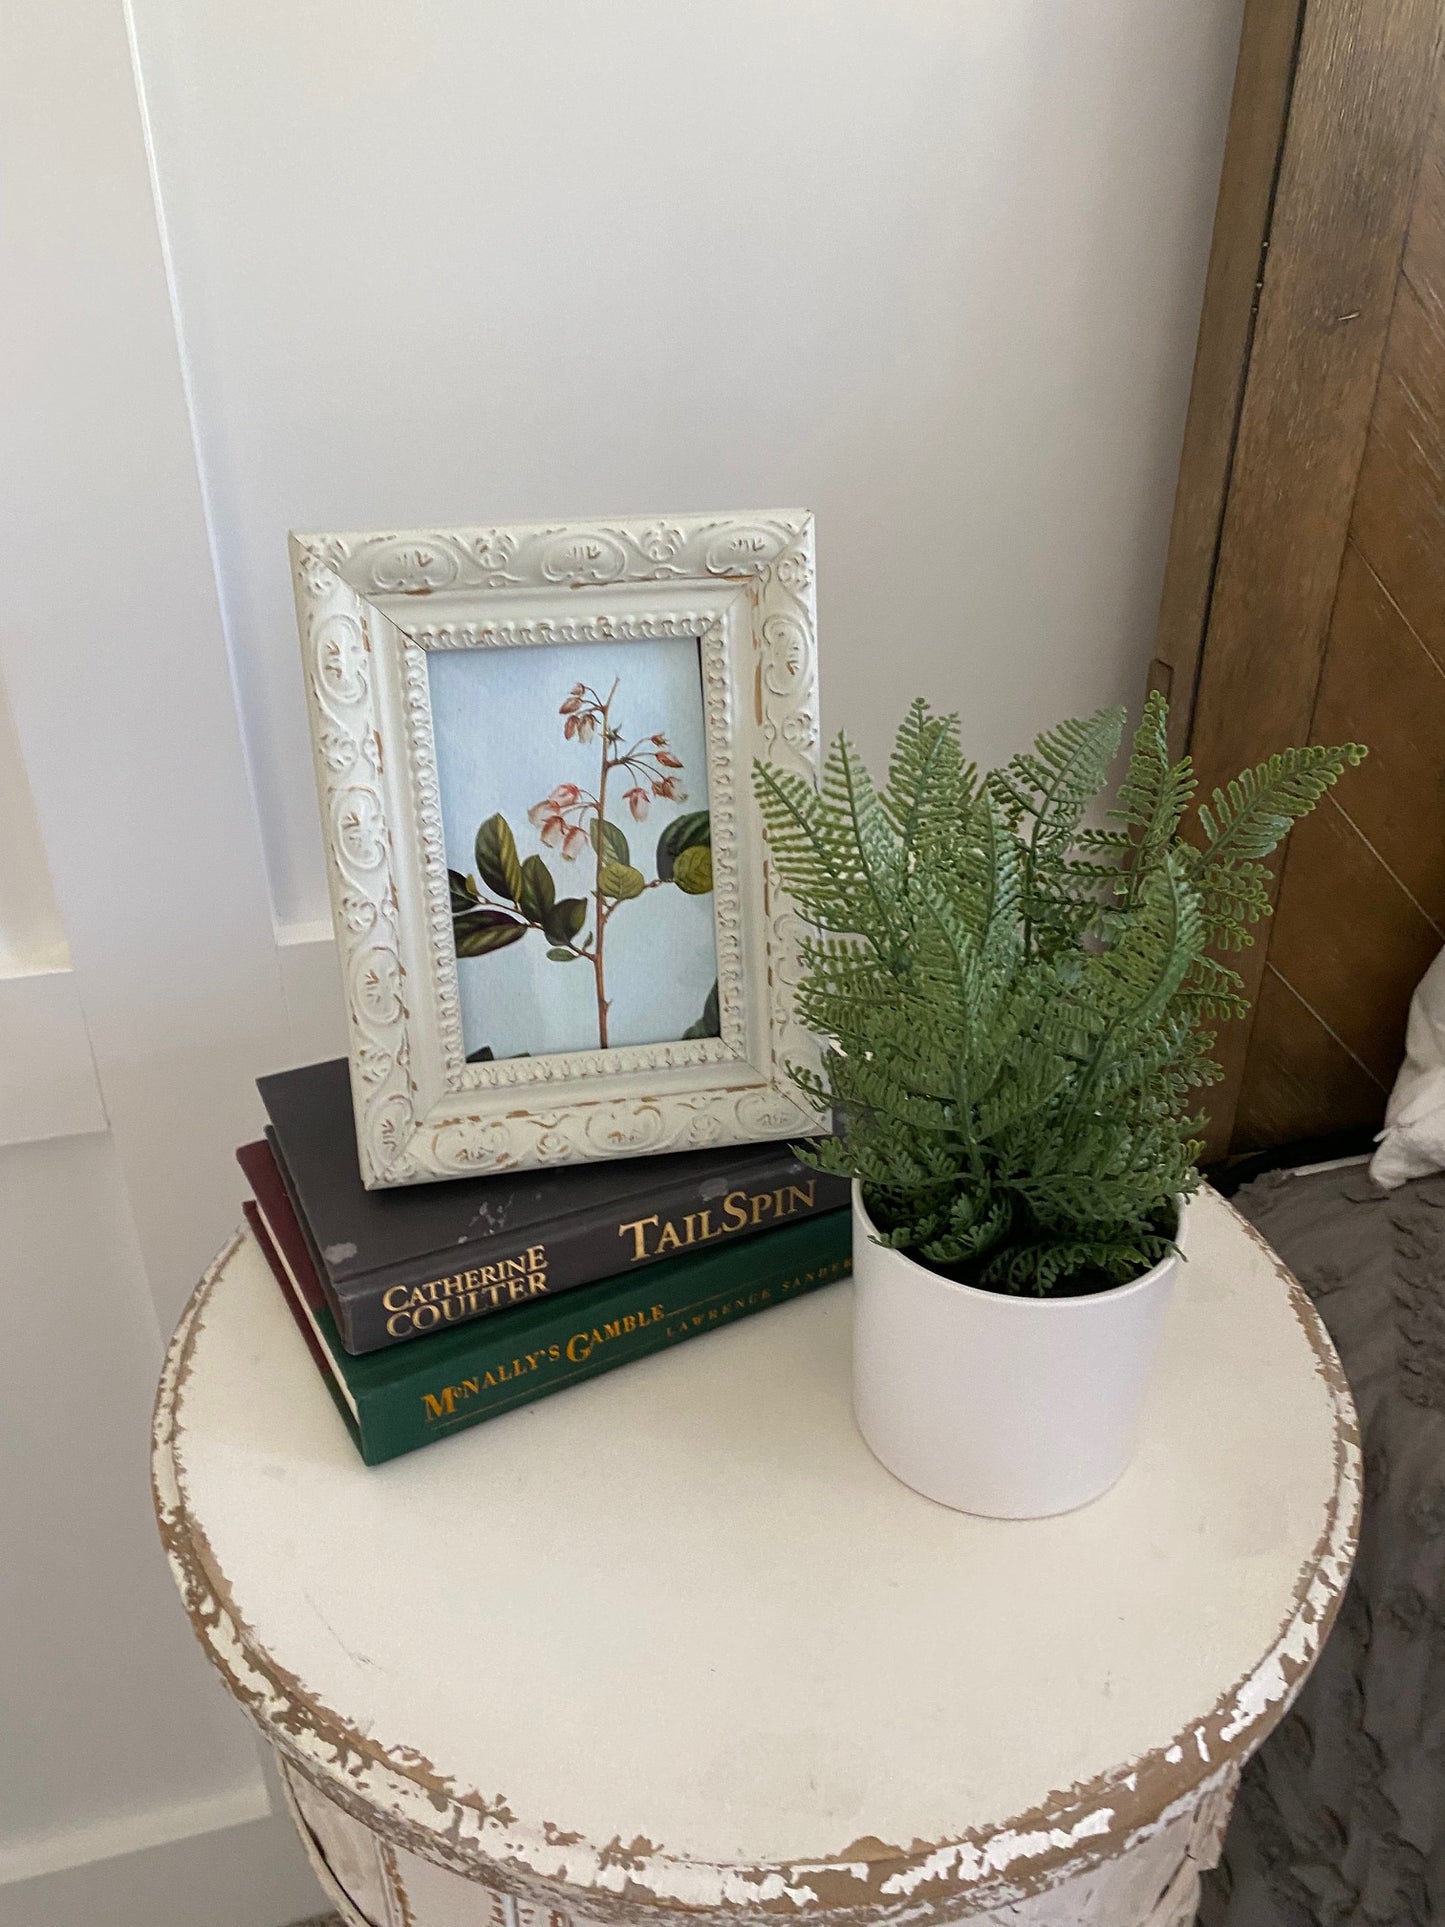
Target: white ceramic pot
x: 1012, y: 1407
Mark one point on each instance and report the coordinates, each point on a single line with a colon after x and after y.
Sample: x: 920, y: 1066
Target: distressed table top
x: 674, y: 1636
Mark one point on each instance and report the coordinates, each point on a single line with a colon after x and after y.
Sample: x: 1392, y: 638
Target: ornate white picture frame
x: 370, y: 608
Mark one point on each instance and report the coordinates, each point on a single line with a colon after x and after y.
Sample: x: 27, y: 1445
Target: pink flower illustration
x: 578, y: 822
x: 555, y: 807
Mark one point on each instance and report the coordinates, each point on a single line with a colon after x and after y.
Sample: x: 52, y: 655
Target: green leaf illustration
x: 620, y: 881
x: 707, y: 1025
x: 497, y: 857
x: 683, y: 833
x: 479, y: 932
x: 565, y: 956
x: 565, y: 919
x: 464, y: 890
x: 608, y: 841
x: 692, y: 871
x: 538, y: 892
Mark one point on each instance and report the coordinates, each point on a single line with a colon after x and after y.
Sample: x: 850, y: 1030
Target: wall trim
x: 162, y: 1826
x: 311, y: 985
x: 318, y: 930
x: 248, y: 1874
x: 48, y: 1082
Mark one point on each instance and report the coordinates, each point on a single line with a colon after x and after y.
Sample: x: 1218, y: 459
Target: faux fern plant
x: 1020, y: 1008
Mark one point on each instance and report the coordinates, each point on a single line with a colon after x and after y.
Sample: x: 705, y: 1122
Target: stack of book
x: 431, y: 1307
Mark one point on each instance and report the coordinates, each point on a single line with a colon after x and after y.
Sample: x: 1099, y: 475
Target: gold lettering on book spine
x: 450, y: 1401
x: 654, y: 1237
x: 413, y: 1309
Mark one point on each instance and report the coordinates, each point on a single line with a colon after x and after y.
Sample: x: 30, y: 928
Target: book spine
x: 495, y: 1274
x: 281, y: 1272
x: 281, y: 1206
x: 643, y: 1315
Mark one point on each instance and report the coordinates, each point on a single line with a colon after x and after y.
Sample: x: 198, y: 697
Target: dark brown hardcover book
x: 397, y: 1265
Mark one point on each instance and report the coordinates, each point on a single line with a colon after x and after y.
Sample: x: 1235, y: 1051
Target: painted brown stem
x: 601, y: 914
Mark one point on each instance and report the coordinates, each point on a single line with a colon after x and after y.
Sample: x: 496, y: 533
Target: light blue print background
x: 500, y: 746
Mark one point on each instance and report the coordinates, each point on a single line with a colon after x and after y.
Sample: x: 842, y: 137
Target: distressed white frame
x: 369, y: 608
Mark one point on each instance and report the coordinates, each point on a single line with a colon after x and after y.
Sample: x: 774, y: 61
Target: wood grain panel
x: 1381, y: 687
x: 1362, y: 898
x: 1298, y: 1073
x: 1364, y: 86
x: 1349, y: 940
x: 1258, y: 109
x: 1399, y: 518
x: 1424, y: 265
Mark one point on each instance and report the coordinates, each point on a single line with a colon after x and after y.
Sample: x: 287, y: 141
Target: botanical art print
x: 574, y: 802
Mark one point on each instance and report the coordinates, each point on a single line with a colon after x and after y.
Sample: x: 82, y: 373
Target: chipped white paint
x: 1152, y: 1883
x: 971, y: 1865
x: 683, y: 1608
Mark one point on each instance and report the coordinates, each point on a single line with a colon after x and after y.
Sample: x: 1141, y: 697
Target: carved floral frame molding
x: 369, y: 608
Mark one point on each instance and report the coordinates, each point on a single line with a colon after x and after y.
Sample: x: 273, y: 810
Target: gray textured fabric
x: 1341, y: 1815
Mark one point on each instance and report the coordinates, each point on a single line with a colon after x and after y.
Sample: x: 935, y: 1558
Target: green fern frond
x: 829, y: 845
x: 930, y: 786
x: 1248, y: 818
x: 1233, y: 895
x: 1039, y: 1266
x: 1042, y: 796
x: 1214, y: 990
x: 970, y: 1227
x: 1018, y: 1004
x: 1117, y: 843
x: 1155, y: 791
x: 1051, y: 785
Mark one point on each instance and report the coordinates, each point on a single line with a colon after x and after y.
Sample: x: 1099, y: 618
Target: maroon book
x: 287, y: 1240
x: 256, y: 1225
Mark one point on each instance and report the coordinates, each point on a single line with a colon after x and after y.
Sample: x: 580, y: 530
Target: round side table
x: 672, y: 1647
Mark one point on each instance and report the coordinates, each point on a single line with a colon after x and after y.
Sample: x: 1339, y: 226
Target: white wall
x: 80, y: 1334
x: 125, y: 1775
x: 931, y: 267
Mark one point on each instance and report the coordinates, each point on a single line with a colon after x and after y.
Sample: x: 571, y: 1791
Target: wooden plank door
x: 1305, y: 591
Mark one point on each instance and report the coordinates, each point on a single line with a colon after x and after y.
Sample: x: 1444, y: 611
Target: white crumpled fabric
x: 1412, y: 1143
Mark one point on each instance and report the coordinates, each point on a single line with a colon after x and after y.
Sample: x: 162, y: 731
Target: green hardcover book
x: 393, y: 1401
